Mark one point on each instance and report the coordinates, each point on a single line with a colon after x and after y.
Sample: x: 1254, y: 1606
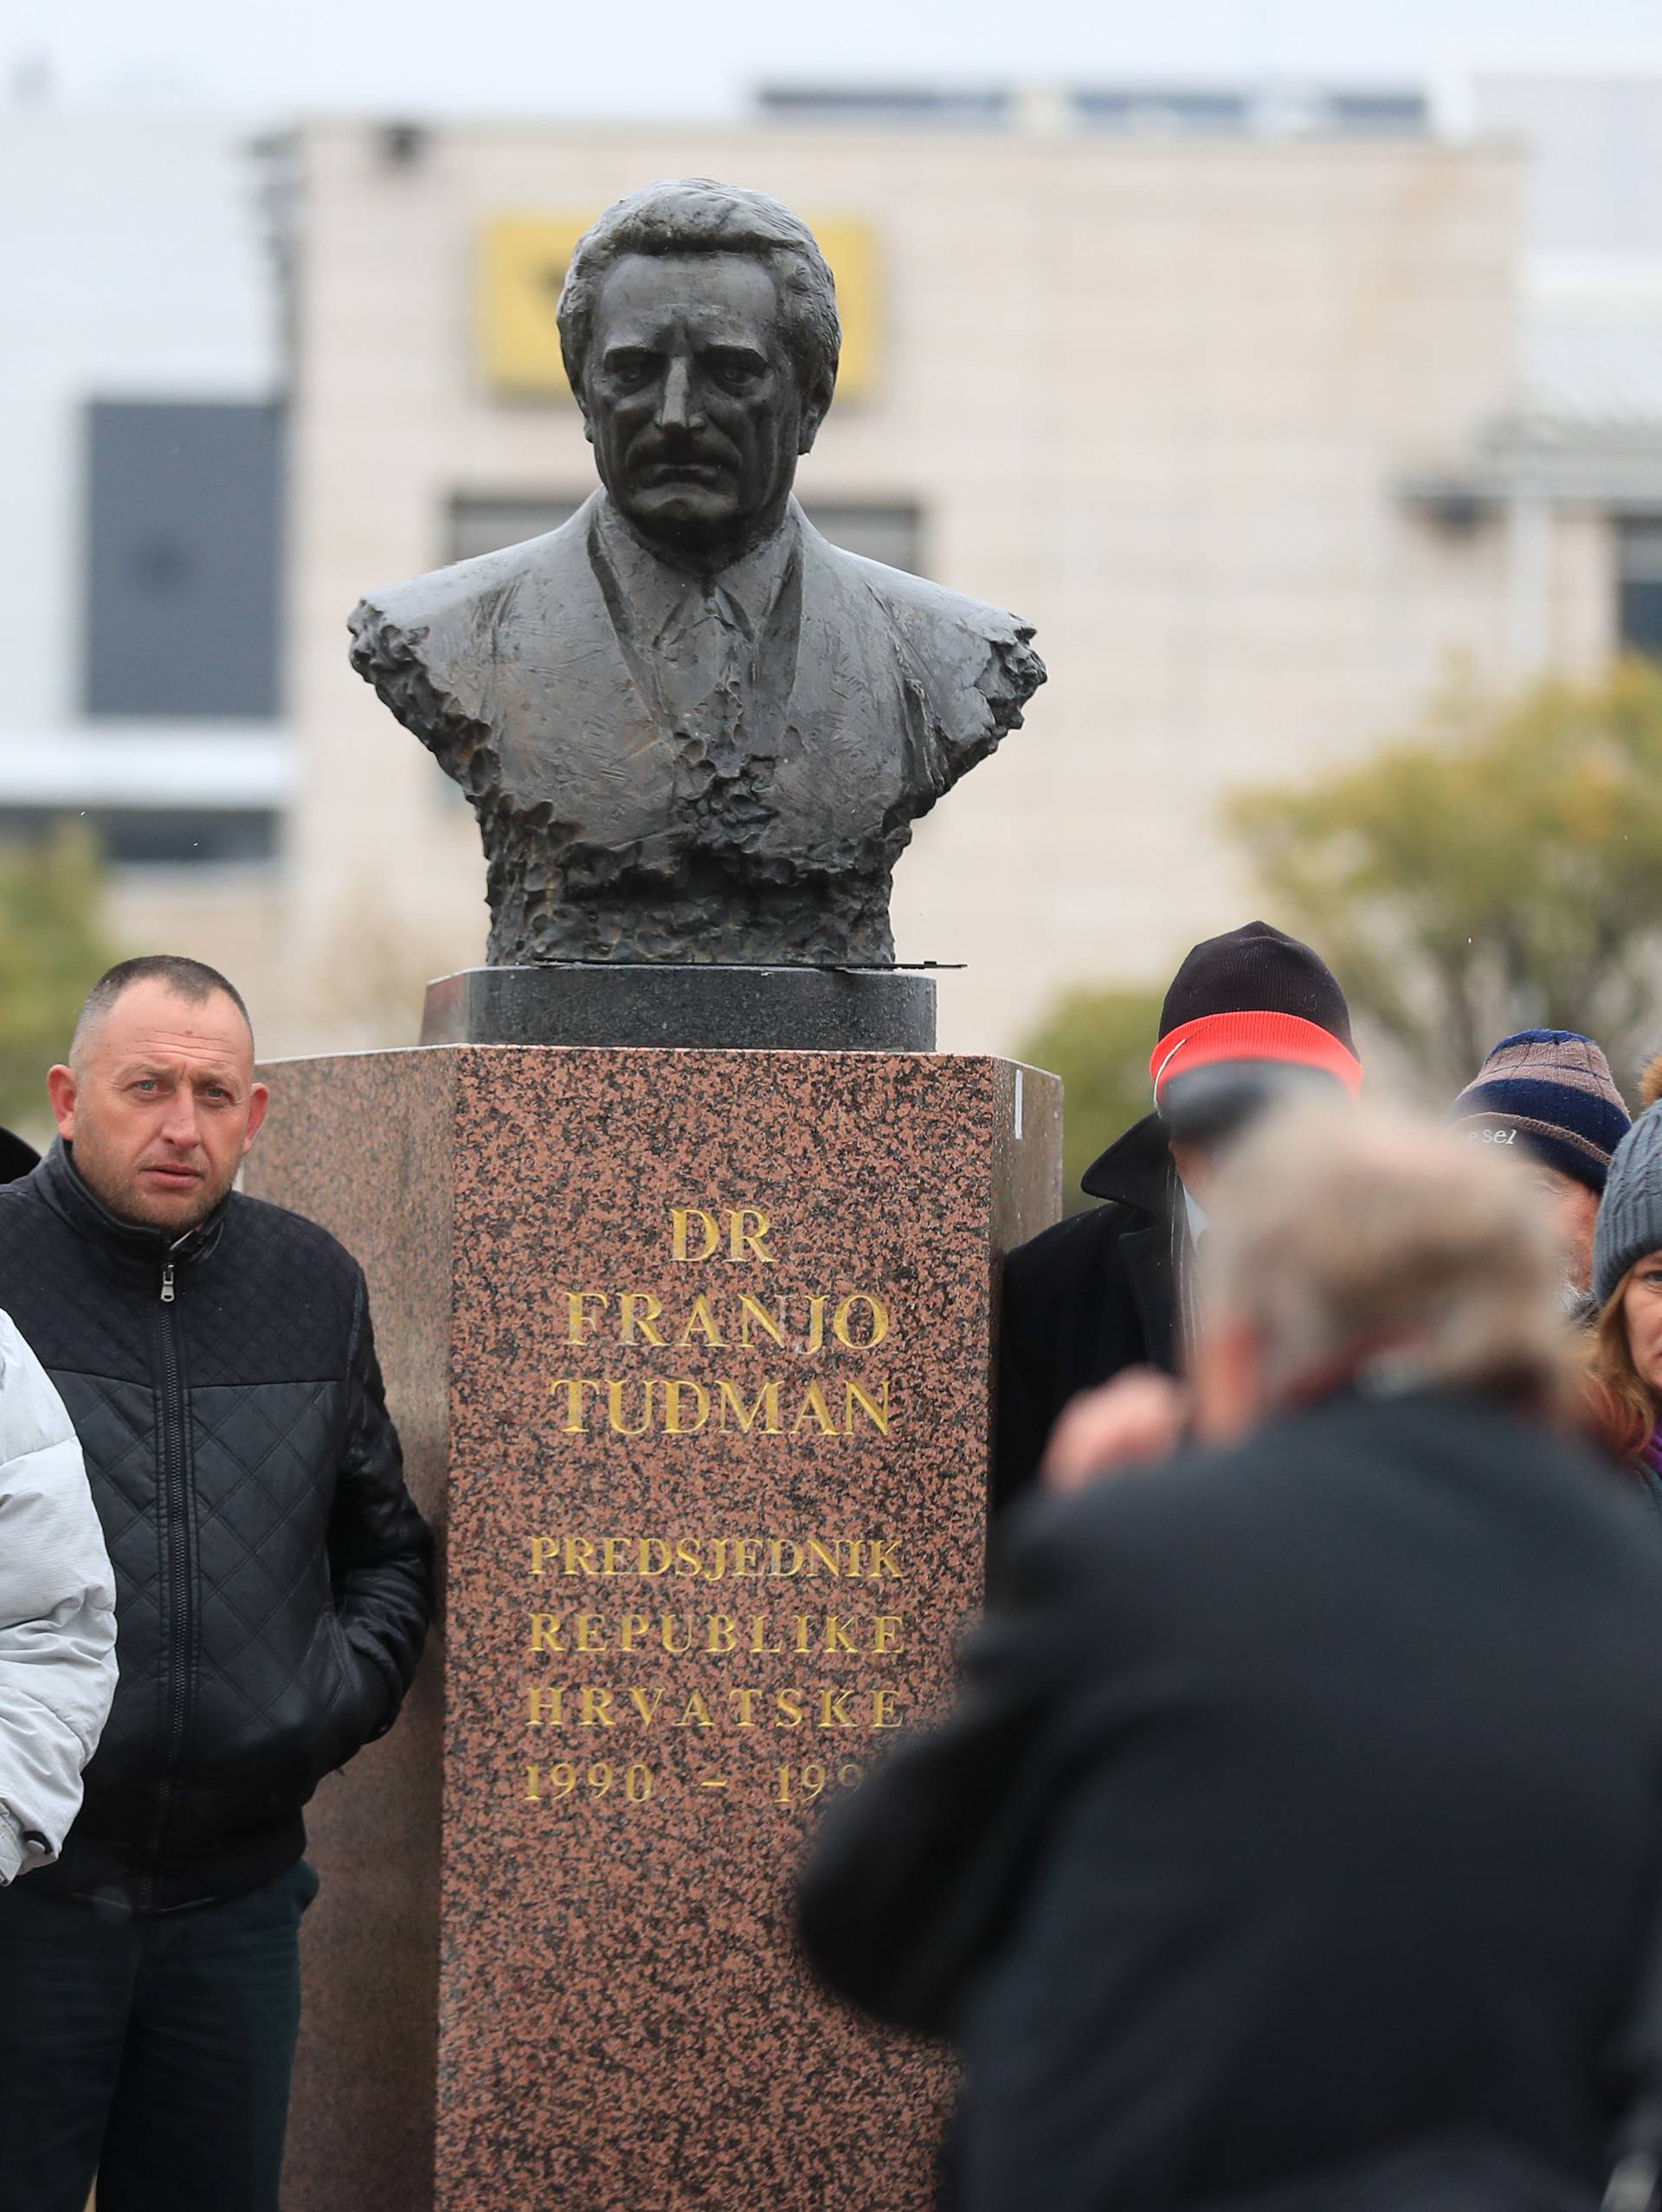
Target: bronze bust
x: 690, y: 728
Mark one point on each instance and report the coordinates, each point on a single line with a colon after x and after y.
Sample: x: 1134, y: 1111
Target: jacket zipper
x: 176, y: 1539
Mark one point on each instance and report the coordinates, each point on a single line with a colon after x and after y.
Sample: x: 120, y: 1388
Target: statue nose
x: 679, y: 409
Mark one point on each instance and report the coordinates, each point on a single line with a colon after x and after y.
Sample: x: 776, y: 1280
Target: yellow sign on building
x: 522, y: 264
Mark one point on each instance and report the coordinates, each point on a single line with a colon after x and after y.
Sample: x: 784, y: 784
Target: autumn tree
x: 1499, y: 870
x: 1099, y: 1040
x: 52, y: 951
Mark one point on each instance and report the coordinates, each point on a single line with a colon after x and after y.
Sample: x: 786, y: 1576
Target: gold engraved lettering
x: 639, y: 1699
x: 579, y: 1556
x: 882, y: 1563
x: 547, y: 1707
x: 788, y: 1710
x: 777, y: 1550
x: 533, y: 1794
x: 585, y: 1623
x: 833, y: 1709
x: 689, y: 1555
x: 629, y: 1320
x: 578, y: 1320
x: 766, y: 1403
x: 853, y: 1393
x: 635, y: 1626
x: 721, y: 1633
x: 681, y: 1219
x: 877, y: 1323
x: 673, y: 1425
x: 595, y: 1707
x: 701, y: 1319
x: 814, y: 1403
x: 546, y: 1632
x: 742, y: 1702
x: 697, y: 1711
x: 575, y: 1386
x: 887, y: 1636
x: 615, y: 1390
x: 745, y: 1243
x: 611, y: 1547
x: 883, y: 1713
x: 752, y: 1312
x: 837, y: 1637
x: 816, y: 1323
x: 744, y: 1548
x: 758, y: 1628
x: 542, y: 1548
x: 825, y: 1555
x: 666, y: 1623
x: 662, y: 1553
x: 800, y: 1628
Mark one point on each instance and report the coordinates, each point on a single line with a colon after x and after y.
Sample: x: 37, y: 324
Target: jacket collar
x: 1136, y: 1171
x: 130, y: 1244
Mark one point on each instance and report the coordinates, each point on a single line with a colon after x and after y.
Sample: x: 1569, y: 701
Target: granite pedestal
x: 692, y: 1351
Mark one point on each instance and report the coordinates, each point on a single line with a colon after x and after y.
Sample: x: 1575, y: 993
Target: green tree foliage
x: 1099, y: 1041
x: 1500, y: 870
x: 52, y: 951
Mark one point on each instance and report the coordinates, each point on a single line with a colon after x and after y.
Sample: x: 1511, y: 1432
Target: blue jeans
x: 153, y: 2052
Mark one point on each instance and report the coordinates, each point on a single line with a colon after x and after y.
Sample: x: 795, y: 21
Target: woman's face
x: 1641, y: 1314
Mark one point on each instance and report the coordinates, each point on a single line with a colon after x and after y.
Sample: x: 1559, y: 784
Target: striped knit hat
x: 1549, y: 1092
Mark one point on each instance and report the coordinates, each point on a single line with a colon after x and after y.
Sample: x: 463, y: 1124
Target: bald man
x: 216, y: 1356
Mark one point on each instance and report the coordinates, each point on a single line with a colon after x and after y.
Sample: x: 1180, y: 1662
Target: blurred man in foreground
x: 272, y: 1595
x: 1303, y: 1805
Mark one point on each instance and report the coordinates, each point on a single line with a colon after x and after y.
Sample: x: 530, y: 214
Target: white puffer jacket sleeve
x: 57, y: 1614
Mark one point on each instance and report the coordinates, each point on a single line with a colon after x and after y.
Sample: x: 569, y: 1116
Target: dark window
x: 182, y: 560
x: 889, y: 533
x: 1155, y: 107
x: 886, y: 104
x: 1638, y: 570
x: 160, y: 836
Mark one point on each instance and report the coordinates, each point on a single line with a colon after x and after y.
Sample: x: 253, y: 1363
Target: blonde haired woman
x: 1625, y: 1358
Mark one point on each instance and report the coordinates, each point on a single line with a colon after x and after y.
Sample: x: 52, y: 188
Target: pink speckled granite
x: 616, y: 2019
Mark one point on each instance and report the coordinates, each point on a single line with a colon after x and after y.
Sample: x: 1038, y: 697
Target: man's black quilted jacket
x: 273, y: 1584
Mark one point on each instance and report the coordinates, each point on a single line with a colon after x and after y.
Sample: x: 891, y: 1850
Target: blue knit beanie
x: 1630, y: 1213
x: 1549, y: 1093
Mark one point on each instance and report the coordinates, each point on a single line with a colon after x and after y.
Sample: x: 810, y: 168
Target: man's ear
x: 62, y: 1089
x: 259, y: 1100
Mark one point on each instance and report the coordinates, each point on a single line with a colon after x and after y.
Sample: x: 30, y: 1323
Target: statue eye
x: 631, y: 367
x: 736, y: 371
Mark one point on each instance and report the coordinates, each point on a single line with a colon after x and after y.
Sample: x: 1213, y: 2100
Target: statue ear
x: 816, y: 405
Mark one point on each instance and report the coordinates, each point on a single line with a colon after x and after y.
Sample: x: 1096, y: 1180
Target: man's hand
x: 1140, y: 1416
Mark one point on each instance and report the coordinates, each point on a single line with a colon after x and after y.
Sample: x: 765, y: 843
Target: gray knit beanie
x: 1630, y: 1215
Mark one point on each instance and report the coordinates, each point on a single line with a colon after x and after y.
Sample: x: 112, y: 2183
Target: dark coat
x: 1095, y: 1294
x: 1301, y: 1798
x: 272, y: 1574
x: 17, y: 1159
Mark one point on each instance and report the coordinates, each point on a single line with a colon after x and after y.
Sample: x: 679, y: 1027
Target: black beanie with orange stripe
x: 1249, y: 1014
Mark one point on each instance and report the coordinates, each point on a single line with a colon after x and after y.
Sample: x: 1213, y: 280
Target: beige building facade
x: 1177, y: 402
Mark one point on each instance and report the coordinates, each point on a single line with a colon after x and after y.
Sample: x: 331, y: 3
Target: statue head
x: 698, y: 324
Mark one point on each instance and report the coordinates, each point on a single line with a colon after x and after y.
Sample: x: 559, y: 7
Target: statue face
x: 691, y: 400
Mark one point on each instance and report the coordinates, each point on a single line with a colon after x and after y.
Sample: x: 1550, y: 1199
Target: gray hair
x: 695, y: 215
x: 1367, y: 1244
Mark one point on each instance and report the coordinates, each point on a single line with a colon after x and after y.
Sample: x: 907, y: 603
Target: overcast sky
x: 669, y: 57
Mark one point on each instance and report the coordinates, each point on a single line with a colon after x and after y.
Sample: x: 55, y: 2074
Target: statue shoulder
x: 428, y: 647
x: 442, y: 614
x: 975, y: 660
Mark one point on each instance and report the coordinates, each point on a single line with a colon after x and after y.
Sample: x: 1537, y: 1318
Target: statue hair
x: 695, y: 215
